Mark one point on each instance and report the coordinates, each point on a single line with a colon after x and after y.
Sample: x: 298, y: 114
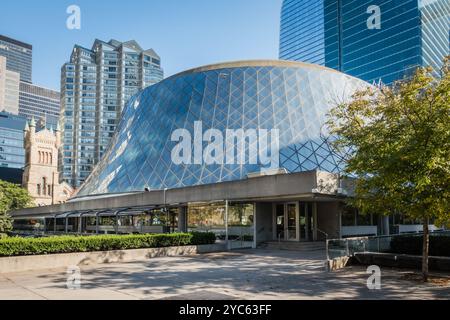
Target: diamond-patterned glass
x: 291, y: 97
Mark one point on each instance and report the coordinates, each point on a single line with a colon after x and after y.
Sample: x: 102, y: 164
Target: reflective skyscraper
x: 12, y: 152
x: 368, y: 39
x: 95, y: 85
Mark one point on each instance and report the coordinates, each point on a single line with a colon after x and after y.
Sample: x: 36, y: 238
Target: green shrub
x: 70, y: 244
x: 439, y: 245
x: 200, y: 238
x: 3, y: 236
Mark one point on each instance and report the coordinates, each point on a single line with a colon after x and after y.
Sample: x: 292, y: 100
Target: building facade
x: 9, y: 88
x: 12, y: 153
x: 370, y: 39
x: 19, y: 56
x: 39, y: 103
x: 41, y: 176
x: 141, y: 186
x: 95, y: 85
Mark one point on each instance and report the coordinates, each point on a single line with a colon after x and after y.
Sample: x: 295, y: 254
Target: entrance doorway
x: 306, y: 221
x: 287, y: 222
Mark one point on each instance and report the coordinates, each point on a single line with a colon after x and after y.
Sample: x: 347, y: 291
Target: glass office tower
x: 95, y: 85
x: 369, y: 39
x: 19, y: 57
x: 12, y: 152
x: 39, y: 103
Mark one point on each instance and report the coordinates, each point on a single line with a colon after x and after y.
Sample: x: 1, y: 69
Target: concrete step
x: 295, y: 246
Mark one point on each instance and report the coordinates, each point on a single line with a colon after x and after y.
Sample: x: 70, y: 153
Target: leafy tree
x: 398, y: 144
x: 12, y: 197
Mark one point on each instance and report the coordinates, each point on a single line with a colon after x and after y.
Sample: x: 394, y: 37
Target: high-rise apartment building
x: 39, y: 103
x: 368, y: 39
x: 9, y: 88
x: 19, y: 57
x: 95, y: 85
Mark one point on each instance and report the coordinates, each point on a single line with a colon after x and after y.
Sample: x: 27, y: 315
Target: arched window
x: 51, y: 158
x: 50, y: 190
x: 39, y: 189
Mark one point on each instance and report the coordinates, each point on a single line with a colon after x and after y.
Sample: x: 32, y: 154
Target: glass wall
x: 347, y: 36
x: 208, y: 217
x: 289, y: 101
x: 238, y: 224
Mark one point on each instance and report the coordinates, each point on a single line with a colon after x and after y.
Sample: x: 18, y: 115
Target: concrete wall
x: 414, y: 228
x: 328, y: 219
x: 54, y: 261
x: 393, y: 260
x: 264, y: 222
x: 359, y: 231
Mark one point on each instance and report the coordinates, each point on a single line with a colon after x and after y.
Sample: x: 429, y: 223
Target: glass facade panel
x: 207, y: 218
x: 290, y: 97
x: 12, y: 151
x: 347, y: 36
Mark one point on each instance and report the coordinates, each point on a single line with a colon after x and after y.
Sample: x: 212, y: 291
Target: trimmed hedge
x: 70, y: 244
x: 200, y: 238
x: 439, y: 245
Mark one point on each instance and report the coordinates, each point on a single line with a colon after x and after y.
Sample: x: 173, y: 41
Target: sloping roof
x: 132, y: 44
x: 152, y: 53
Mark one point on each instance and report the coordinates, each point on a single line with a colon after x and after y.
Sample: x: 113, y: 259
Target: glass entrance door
x: 291, y: 219
x: 306, y: 221
x: 280, y: 222
x: 286, y: 220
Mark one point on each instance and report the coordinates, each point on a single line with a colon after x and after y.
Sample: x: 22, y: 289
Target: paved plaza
x: 249, y: 275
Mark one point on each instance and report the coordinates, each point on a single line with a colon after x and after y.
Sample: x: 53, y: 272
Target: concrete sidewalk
x: 249, y: 275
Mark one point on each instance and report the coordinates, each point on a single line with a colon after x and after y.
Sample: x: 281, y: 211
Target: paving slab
x: 248, y: 275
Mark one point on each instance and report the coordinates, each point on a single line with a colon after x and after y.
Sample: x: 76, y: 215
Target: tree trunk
x: 425, y: 249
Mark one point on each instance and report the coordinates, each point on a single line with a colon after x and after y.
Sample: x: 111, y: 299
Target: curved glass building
x: 275, y: 109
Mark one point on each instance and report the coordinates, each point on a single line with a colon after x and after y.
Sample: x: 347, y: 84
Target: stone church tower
x: 41, y: 176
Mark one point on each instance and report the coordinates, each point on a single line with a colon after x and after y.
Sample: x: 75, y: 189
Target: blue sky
x: 185, y: 33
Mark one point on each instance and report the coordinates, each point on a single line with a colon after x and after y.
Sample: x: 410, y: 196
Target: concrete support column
x: 67, y: 225
x: 386, y: 226
x: 314, y: 211
x: 226, y: 223
x: 80, y: 225
x: 182, y: 219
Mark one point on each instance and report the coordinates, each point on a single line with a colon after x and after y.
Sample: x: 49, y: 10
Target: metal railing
x: 323, y: 232
x: 349, y: 246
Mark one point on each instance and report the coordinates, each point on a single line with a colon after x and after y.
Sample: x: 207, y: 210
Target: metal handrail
x: 346, y: 241
x: 324, y: 233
